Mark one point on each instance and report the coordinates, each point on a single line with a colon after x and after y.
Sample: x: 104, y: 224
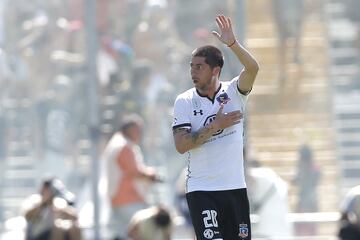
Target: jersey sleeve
x: 234, y: 82
x: 235, y: 87
x: 181, y: 117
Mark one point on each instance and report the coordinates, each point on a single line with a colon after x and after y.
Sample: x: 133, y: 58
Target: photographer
x: 350, y: 216
x: 50, y: 215
x: 153, y: 223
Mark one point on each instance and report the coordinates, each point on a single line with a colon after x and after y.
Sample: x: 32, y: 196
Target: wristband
x: 232, y: 43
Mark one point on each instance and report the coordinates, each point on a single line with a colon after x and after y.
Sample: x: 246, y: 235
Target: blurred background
x: 69, y: 74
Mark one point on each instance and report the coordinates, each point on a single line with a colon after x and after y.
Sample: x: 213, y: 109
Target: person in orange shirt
x: 127, y: 175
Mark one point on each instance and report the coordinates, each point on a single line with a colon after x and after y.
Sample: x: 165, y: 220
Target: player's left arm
x: 251, y: 67
x: 248, y: 74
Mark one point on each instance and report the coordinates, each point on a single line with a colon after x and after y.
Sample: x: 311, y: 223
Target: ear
x: 216, y: 71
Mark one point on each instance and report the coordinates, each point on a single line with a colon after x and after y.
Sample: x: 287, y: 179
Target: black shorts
x: 220, y: 215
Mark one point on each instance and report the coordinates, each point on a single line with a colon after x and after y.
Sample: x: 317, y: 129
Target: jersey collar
x: 210, y: 99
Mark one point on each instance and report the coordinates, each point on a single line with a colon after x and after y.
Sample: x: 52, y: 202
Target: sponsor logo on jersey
x: 198, y: 112
x: 243, y: 230
x: 208, y: 120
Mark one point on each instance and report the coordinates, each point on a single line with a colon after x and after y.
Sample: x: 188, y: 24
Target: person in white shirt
x: 208, y: 125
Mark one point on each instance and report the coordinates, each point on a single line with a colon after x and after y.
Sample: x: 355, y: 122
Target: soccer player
x: 208, y: 126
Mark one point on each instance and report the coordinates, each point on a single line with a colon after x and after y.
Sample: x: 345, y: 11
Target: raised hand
x: 226, y: 34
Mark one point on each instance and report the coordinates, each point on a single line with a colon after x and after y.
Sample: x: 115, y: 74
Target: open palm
x: 226, y: 34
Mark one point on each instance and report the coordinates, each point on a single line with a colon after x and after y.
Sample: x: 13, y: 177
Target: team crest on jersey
x: 223, y: 98
x: 243, y: 230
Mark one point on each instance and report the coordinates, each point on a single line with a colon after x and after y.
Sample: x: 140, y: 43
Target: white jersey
x: 218, y: 163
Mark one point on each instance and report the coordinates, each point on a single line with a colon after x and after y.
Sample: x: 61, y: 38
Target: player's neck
x: 211, y: 89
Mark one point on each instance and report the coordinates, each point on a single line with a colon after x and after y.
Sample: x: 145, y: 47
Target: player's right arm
x: 185, y: 139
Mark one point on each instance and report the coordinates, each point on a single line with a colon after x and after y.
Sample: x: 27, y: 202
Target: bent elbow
x: 181, y: 150
x: 254, y: 68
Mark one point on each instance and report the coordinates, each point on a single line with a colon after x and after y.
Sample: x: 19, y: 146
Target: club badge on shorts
x: 243, y: 230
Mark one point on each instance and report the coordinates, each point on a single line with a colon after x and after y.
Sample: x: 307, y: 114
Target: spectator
x: 153, y: 223
x: 352, y: 7
x: 267, y: 191
x: 289, y: 17
x: 134, y: 99
x: 350, y: 216
x: 126, y: 174
x: 50, y: 214
x: 307, y: 180
x: 57, y: 121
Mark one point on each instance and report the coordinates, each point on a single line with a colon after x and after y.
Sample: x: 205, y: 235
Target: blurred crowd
x: 142, y: 64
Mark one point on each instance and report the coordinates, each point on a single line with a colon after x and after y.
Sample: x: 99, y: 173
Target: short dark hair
x: 213, y: 56
x: 58, y: 189
x: 162, y: 218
